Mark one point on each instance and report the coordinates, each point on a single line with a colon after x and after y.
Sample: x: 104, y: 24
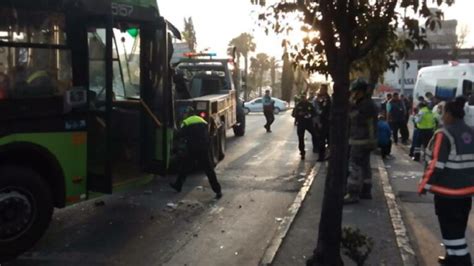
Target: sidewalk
x: 372, y: 217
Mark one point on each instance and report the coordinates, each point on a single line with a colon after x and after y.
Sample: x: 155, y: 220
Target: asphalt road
x: 153, y: 225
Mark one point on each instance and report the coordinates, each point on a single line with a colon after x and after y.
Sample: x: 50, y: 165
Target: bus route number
x: 122, y: 10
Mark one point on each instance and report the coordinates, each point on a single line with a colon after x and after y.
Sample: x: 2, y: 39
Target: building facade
x: 442, y: 50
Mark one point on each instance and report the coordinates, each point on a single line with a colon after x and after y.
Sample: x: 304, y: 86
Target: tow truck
x: 211, y: 87
x: 85, y: 107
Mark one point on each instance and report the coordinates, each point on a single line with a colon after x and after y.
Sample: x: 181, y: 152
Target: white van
x: 447, y: 82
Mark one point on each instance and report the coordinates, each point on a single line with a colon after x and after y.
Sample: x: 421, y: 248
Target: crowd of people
x: 394, y: 117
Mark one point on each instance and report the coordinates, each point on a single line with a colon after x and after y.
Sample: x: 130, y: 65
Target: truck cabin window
x: 34, y: 58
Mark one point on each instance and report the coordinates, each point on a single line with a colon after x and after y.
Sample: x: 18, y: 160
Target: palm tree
x: 189, y: 34
x: 245, y: 44
x: 260, y: 64
x: 273, y: 67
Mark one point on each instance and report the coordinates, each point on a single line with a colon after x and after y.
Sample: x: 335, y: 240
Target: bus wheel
x: 26, y: 207
x: 222, y: 141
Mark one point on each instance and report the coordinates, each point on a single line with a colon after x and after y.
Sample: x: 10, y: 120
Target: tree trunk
x: 373, y: 77
x: 327, y: 251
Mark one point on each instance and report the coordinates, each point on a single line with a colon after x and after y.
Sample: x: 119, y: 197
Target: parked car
x: 256, y: 105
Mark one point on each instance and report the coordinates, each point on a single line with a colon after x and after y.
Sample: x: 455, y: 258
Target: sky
x: 218, y: 21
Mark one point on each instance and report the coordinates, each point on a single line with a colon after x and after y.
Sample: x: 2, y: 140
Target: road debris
x: 301, y: 180
x: 147, y: 192
x: 171, y: 206
x: 278, y: 219
x: 99, y: 203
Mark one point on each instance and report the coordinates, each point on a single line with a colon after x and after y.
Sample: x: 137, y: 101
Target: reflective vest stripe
x: 432, y: 165
x: 453, y: 165
x: 456, y: 165
x: 464, y: 158
x: 37, y: 74
x: 439, y: 165
x: 450, y: 191
x: 451, y: 141
x: 457, y: 252
x: 454, y: 242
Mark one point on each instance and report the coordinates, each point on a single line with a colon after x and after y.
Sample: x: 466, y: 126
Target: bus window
x: 126, y: 64
x: 34, y: 71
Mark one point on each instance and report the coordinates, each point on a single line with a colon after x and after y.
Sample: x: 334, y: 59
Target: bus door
x: 158, y: 99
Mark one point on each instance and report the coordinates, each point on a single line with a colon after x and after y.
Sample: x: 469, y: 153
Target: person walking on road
x: 449, y: 175
x: 396, y: 115
x: 268, y: 109
x: 362, y: 140
x: 425, y: 124
x: 304, y: 113
x: 323, y: 103
x: 195, y: 138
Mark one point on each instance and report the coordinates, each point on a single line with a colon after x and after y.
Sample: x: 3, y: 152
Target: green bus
x: 85, y: 106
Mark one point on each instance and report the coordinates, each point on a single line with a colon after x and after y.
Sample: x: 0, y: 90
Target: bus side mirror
x: 75, y: 98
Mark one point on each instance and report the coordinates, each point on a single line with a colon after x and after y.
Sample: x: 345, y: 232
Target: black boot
x: 366, y: 192
x: 416, y: 157
x: 175, y: 187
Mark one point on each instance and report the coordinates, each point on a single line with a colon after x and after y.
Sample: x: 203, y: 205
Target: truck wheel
x: 26, y: 207
x: 222, y: 141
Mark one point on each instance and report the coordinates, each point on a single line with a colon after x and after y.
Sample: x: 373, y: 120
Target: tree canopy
x: 189, y: 34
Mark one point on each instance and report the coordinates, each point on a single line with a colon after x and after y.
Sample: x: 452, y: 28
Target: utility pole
x: 402, y: 79
x: 404, y: 63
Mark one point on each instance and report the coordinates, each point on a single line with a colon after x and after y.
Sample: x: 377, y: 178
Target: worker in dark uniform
x: 304, y: 113
x: 362, y: 140
x: 195, y: 136
x: 268, y: 109
x: 323, y: 102
x: 449, y: 175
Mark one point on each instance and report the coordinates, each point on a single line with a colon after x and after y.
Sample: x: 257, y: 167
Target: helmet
x: 359, y: 84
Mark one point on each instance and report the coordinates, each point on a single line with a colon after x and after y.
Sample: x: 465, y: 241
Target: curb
x: 405, y: 248
x: 284, y: 227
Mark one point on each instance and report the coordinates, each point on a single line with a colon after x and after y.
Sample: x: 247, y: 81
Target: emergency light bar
x: 190, y: 55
